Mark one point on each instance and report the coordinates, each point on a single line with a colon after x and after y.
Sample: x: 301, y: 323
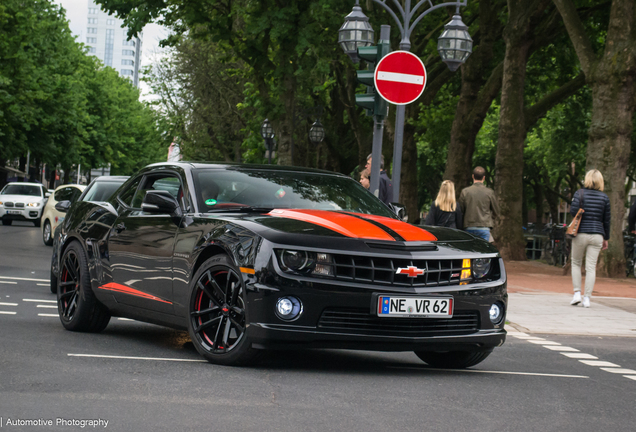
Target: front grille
x: 8, y: 204
x: 360, y: 321
x: 382, y: 271
x: 21, y: 205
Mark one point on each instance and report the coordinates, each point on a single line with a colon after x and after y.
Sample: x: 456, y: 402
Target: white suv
x: 22, y: 201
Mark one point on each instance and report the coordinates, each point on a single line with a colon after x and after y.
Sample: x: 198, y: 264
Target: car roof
x: 224, y: 165
x: 111, y: 178
x: 71, y: 185
x: 26, y: 183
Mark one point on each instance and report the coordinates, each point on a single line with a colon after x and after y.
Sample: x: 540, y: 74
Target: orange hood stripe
x: 128, y: 290
x: 341, y: 223
x: 407, y: 231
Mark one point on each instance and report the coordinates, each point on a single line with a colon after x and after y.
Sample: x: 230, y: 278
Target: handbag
x: 573, y: 228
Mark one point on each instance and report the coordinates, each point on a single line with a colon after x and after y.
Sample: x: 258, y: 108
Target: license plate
x: 415, y: 307
x: 14, y: 212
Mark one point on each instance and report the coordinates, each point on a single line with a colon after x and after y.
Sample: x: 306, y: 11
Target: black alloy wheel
x: 47, y: 234
x: 452, y: 359
x: 76, y: 303
x: 217, y: 322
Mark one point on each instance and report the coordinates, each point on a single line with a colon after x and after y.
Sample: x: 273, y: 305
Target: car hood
x: 349, y: 225
x: 21, y: 198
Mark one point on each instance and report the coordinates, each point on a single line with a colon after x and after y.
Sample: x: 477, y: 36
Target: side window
x: 75, y: 194
x: 126, y: 195
x: 63, y: 194
x: 165, y: 181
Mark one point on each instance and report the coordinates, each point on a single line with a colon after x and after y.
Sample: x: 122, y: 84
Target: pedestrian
x: 364, y: 179
x: 386, y: 186
x: 593, y: 234
x: 444, y: 210
x: 631, y: 219
x: 479, y: 206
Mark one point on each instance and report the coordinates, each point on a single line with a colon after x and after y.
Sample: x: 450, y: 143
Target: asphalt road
x: 141, y: 377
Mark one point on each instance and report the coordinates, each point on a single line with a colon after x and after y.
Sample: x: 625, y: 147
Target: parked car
x: 51, y: 217
x: 250, y: 258
x: 99, y: 190
x: 23, y: 202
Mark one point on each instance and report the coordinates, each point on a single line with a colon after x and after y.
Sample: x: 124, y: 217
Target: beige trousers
x: 590, y: 245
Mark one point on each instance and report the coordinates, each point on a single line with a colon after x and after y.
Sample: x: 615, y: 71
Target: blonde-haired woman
x: 445, y: 211
x: 593, y: 233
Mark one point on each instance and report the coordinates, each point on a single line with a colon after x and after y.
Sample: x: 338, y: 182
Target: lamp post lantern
x: 355, y: 32
x: 317, y: 132
x: 454, y: 46
x: 267, y: 132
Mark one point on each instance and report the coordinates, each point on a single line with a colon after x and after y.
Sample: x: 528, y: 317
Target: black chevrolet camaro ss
x: 253, y: 258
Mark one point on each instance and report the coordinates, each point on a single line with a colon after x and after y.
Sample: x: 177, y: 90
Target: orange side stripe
x: 341, y: 223
x: 112, y: 286
x: 407, y: 231
x: 247, y: 270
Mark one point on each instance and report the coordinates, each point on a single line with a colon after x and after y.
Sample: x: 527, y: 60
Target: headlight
x: 480, y: 267
x: 306, y: 262
x: 1, y: 203
x: 33, y: 204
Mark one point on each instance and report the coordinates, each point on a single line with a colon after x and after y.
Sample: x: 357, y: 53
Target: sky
x: 77, y: 14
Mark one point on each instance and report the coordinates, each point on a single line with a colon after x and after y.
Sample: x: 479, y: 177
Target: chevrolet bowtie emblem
x: 410, y: 271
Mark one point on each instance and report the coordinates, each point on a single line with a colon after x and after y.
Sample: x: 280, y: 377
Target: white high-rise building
x: 108, y: 41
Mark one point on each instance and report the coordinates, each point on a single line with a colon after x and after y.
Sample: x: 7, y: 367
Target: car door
x: 141, y: 245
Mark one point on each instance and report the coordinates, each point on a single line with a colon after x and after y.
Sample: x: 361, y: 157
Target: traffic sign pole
x: 378, y: 131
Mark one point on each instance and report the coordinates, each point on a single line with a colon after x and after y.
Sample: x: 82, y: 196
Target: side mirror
x: 47, y: 194
x: 63, y: 206
x: 400, y: 211
x: 159, y: 201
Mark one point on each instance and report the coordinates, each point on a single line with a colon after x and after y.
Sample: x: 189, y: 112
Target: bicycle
x: 557, y: 249
x: 629, y: 241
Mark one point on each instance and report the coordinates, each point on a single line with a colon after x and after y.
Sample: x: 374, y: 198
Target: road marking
x: 25, y: 279
x: 7, y: 282
x: 47, y: 306
x: 544, y: 342
x: 8, y: 304
x: 560, y: 348
x: 7, y: 313
x: 40, y: 301
x: 580, y: 355
x: 48, y: 315
x: 632, y: 377
x: 619, y: 370
x: 490, y: 372
x: 137, y: 358
x: 599, y: 363
x: 46, y: 284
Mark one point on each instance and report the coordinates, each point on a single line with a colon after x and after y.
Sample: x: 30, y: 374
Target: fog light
x: 495, y: 313
x: 288, y: 308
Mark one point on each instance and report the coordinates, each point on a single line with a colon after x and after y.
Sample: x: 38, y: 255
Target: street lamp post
x: 267, y: 132
x: 454, y: 46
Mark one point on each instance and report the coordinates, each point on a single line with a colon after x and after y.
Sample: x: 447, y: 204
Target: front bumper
x: 26, y: 213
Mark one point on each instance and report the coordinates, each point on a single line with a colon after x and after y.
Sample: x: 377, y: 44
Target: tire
x: 76, y: 303
x: 452, y: 359
x: 217, y: 314
x: 7, y: 221
x: 53, y: 283
x: 634, y: 269
x: 47, y: 233
x: 37, y: 223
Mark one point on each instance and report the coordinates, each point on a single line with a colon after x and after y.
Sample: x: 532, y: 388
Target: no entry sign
x: 400, y: 77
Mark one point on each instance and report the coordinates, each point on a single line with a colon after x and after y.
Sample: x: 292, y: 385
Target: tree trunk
x: 286, y: 129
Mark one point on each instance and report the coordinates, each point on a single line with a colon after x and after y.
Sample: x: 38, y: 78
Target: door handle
x: 120, y: 227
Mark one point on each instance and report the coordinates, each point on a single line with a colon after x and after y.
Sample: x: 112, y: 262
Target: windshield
x: 219, y: 190
x: 19, y: 189
x: 102, y: 190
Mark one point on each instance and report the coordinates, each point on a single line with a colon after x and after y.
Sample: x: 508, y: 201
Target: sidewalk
x: 539, y: 302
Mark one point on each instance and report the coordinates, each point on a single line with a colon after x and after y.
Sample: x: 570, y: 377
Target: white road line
x: 7, y: 282
x: 599, y: 363
x: 40, y: 301
x: 25, y: 279
x: 490, y: 372
x: 49, y: 315
x: 400, y: 77
x: 544, y: 343
x: 633, y: 377
x: 7, y: 313
x: 8, y: 304
x: 137, y: 358
x: 516, y: 334
x: 579, y: 355
x: 47, y: 306
x: 619, y: 370
x: 561, y: 348
x: 46, y: 284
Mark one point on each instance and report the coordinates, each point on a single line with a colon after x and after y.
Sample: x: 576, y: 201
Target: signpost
x: 400, y: 77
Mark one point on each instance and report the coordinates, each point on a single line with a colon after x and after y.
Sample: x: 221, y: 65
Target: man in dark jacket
x: 386, y: 186
x: 479, y: 205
